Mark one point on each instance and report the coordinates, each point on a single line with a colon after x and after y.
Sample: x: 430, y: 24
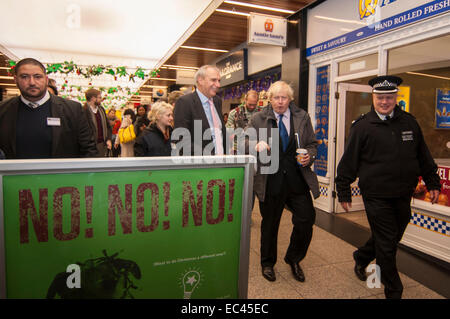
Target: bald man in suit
x: 202, y: 108
x: 38, y: 124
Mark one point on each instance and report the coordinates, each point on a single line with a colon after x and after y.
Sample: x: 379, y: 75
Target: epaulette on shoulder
x: 358, y: 119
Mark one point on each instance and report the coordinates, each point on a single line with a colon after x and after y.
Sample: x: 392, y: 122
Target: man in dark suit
x: 200, y: 114
x: 40, y: 125
x: 291, y: 184
x: 98, y: 122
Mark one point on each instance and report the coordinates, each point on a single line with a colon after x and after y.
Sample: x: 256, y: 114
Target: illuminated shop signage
x: 233, y: 68
x: 368, y: 8
x: 265, y: 29
x: 373, y: 14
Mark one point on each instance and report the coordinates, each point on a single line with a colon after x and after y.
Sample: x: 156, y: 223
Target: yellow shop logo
x: 368, y: 8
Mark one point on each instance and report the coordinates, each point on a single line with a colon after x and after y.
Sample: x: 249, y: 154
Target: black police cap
x: 385, y: 84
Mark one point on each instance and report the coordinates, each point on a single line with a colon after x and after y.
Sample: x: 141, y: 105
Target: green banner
x: 133, y: 234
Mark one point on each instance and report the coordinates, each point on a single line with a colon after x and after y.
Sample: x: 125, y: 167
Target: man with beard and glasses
x: 37, y: 124
x: 98, y: 122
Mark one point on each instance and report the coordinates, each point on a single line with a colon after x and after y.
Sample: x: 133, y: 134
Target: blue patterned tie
x: 283, y: 133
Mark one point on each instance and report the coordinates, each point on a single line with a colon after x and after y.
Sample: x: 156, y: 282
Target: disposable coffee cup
x: 301, y: 154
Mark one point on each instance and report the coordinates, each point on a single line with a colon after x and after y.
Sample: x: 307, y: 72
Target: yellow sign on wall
x: 403, y: 97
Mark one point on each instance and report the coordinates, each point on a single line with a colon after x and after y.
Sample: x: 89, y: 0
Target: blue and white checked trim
x: 323, y: 190
x: 431, y: 223
x: 356, y: 191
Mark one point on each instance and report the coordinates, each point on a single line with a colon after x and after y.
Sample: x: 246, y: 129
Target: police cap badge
x: 385, y: 84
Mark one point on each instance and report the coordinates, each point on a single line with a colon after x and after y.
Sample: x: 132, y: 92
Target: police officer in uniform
x: 387, y: 151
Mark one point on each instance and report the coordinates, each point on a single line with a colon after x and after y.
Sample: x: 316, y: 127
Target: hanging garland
x: 115, y: 94
x: 94, y: 70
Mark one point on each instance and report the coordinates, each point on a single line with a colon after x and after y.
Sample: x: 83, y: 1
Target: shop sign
x: 264, y: 29
x: 233, y: 68
x: 322, y: 117
x: 371, y: 13
x: 185, y: 77
x: 443, y: 108
x: 159, y: 93
x: 168, y: 234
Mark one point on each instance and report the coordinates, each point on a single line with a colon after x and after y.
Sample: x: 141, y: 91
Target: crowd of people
x: 39, y: 124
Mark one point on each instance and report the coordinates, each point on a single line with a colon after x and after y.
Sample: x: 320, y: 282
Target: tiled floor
x: 358, y: 217
x: 328, y: 269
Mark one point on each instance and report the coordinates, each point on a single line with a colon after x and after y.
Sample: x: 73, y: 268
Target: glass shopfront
x: 419, y: 54
x: 425, y: 69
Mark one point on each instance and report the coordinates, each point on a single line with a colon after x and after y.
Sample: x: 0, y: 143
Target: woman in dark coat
x: 155, y: 140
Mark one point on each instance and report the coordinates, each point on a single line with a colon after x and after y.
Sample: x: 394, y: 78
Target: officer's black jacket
x: 387, y: 156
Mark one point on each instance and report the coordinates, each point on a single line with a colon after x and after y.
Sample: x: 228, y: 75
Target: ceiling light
x: 6, y: 77
x: 154, y: 86
x: 202, y: 49
x: 258, y: 6
x: 429, y: 75
x: 166, y: 66
x: 233, y: 12
x: 162, y: 79
x: 339, y: 20
x: 180, y: 69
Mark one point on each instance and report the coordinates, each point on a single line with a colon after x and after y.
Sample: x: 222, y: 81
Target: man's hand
x: 261, y: 146
x: 346, y: 205
x: 434, y: 196
x: 303, y: 160
x: 108, y: 144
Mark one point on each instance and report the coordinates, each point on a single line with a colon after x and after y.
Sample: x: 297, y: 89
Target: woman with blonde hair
x: 155, y: 140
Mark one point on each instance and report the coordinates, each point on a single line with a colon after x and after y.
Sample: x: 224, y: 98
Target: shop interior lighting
x: 243, y: 4
x: 340, y: 20
x: 166, y: 66
x: 429, y: 75
x: 154, y: 86
x: 180, y: 69
x: 234, y: 12
x: 6, y: 77
x: 162, y: 79
x: 202, y: 49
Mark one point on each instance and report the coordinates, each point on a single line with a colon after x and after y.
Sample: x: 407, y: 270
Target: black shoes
x: 296, y: 270
x: 268, y: 273
x: 360, y: 270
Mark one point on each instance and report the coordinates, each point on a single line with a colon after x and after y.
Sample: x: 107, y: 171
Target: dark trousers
x: 388, y: 218
x: 303, y: 217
